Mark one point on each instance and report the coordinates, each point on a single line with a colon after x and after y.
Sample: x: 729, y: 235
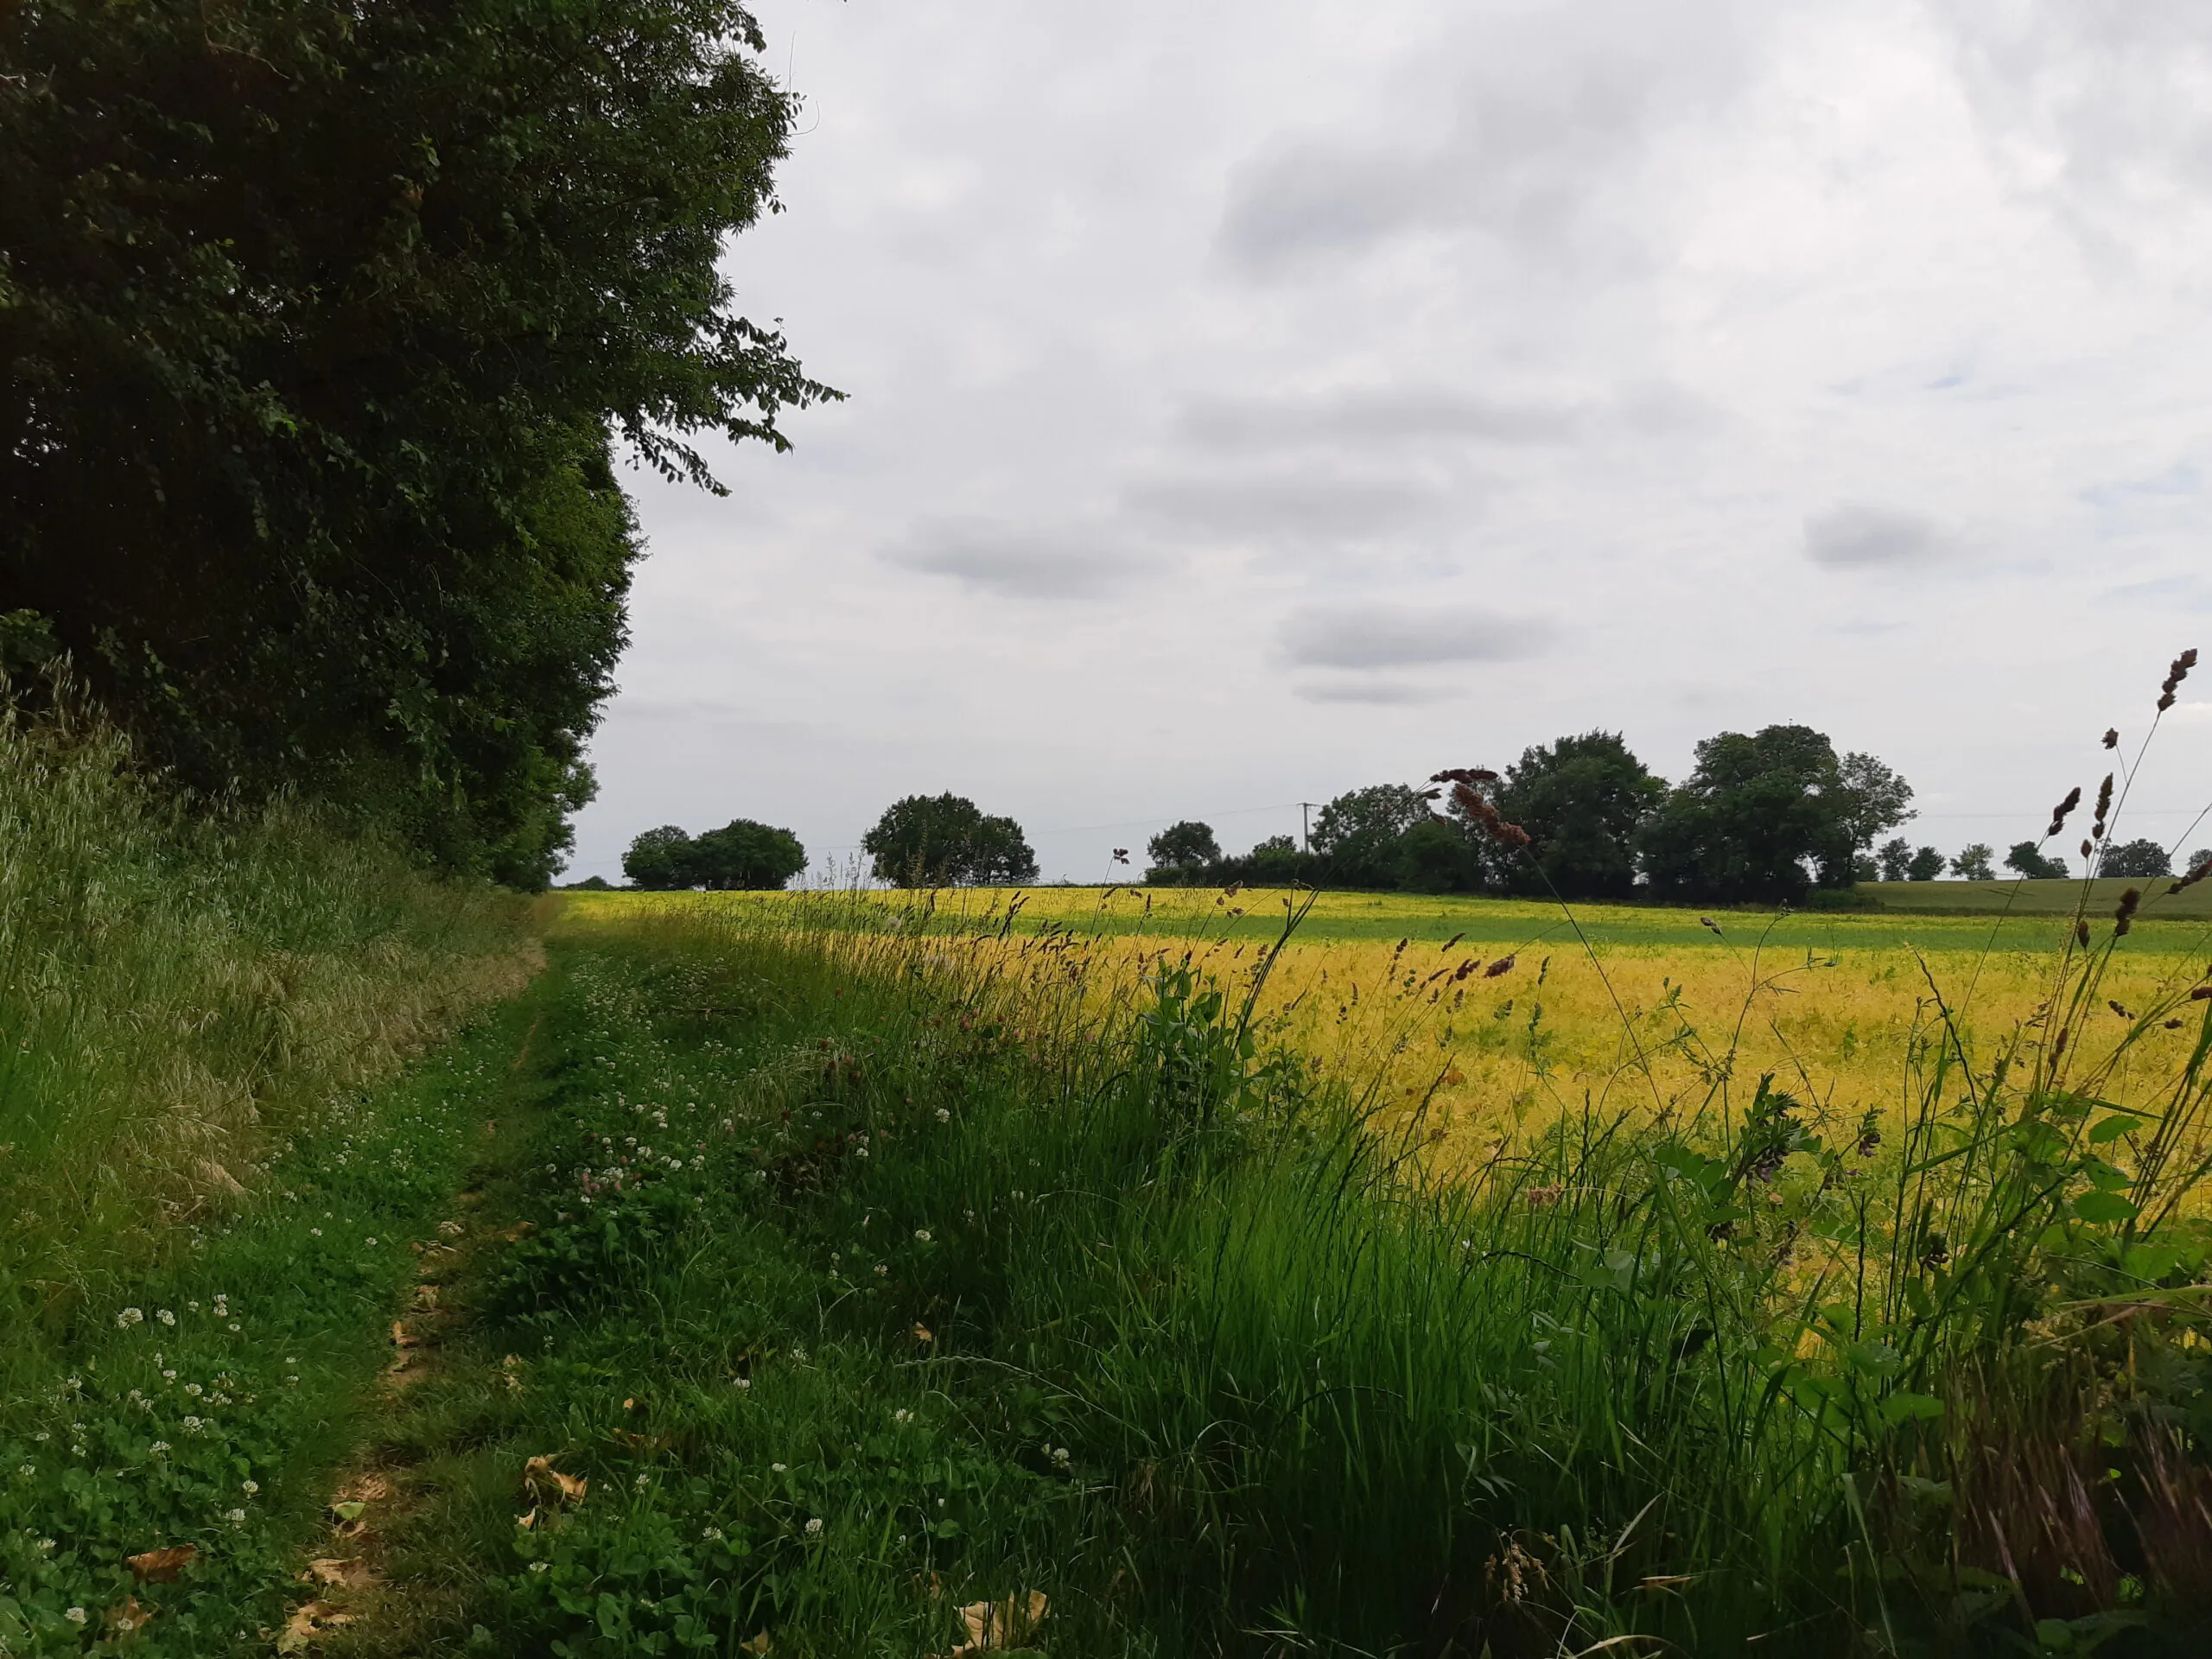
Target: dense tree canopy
x: 1582, y: 800
x: 2026, y: 859
x: 934, y: 841
x: 316, y: 319
x: 2135, y: 858
x: 1358, y: 832
x: 1973, y: 862
x: 1760, y: 818
x: 741, y: 855
x: 1184, y: 846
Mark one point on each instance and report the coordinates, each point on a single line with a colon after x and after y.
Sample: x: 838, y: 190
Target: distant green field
x: 2039, y: 898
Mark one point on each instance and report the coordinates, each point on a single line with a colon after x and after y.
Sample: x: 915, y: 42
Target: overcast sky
x: 1250, y: 402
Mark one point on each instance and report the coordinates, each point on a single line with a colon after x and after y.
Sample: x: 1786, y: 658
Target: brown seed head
x: 2112, y: 737
x: 2124, y: 916
x: 2195, y: 875
x: 1502, y: 965
x: 2104, y: 804
x: 2058, y: 813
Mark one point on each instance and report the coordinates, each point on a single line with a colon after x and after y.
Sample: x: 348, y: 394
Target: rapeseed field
x: 1491, y: 1016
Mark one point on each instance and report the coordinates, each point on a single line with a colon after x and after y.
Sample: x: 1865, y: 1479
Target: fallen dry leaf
x: 161, y: 1566
x: 526, y: 1521
x: 539, y: 1474
x: 400, y: 1337
x: 997, y: 1625
x: 759, y: 1643
x: 520, y: 1230
x: 426, y: 1296
x: 308, y: 1621
x: 342, y: 1574
x: 921, y: 1332
x: 127, y: 1617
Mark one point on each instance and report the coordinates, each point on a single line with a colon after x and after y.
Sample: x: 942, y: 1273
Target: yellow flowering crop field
x: 1490, y: 1015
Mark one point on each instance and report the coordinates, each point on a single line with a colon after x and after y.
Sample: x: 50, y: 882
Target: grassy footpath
x: 207, y: 1398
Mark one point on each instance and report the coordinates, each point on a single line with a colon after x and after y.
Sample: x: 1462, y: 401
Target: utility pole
x: 1306, y: 826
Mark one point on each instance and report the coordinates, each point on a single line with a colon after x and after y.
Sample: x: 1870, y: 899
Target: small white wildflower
x: 643, y: 1481
x: 368, y: 1241
x: 27, y: 1470
x: 860, y: 1151
x: 194, y: 1389
x: 780, y: 1468
x: 881, y: 1271
x: 166, y: 1317
x: 921, y: 1235
x: 291, y: 1382
x: 158, y: 1447
x: 814, y: 1528
x: 714, y: 1534
x: 76, y: 1615
x: 42, y: 1437
x: 537, y: 1566
x: 743, y: 1383
x: 944, y: 1116
x: 45, y: 1545
x: 169, y: 1376
x: 251, y: 1488
x: 315, y: 1232
x: 129, y: 1317
x: 236, y: 1517
x: 235, y: 1325
x: 193, y: 1307
x: 902, y: 1415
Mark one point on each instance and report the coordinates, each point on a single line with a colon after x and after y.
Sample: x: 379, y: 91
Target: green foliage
x: 360, y: 534
x: 656, y: 859
x: 1358, y: 832
x: 931, y: 840
x: 1751, y: 819
x: 2142, y: 857
x: 1873, y: 798
x: 1184, y: 846
x: 1973, y: 863
x: 742, y: 854
x: 1583, y: 800
x: 2027, y: 859
x: 1926, y: 865
x: 1895, y: 859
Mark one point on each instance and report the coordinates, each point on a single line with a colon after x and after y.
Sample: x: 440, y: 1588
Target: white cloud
x: 1857, y: 533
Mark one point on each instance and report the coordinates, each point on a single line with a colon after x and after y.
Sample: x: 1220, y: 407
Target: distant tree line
x: 923, y: 841
x: 1773, y: 815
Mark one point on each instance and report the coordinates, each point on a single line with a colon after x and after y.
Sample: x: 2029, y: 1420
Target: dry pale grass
x: 180, y: 991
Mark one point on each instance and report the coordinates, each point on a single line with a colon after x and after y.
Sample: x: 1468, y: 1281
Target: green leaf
x: 2104, y: 1209
x: 2113, y: 1128
x: 1905, y: 1408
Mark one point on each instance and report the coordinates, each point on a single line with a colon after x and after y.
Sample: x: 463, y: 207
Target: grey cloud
x: 1285, y: 506
x: 1400, y: 636
x: 1373, y: 414
x: 1555, y: 121
x: 997, y: 558
x: 1856, y: 534
x: 1387, y: 692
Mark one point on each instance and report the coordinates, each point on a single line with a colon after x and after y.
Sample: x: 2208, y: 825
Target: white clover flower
x: 76, y: 1615
x: 167, y: 1377
x: 236, y: 1517
x: 902, y: 1415
x: 743, y: 1383
x: 251, y: 1488
x: 537, y: 1566
x: 921, y: 1235
x: 45, y: 1545
x: 194, y: 1389
x: 158, y: 1447
x: 881, y: 1271
x: 315, y: 1232
x: 780, y: 1468
x: 235, y: 1325
x: 368, y: 1241
x: 27, y: 1470
x: 943, y: 1115
x: 42, y: 1437
x: 129, y: 1317
x: 166, y: 1317
x: 714, y: 1534
x: 814, y: 1528
x: 193, y: 1307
